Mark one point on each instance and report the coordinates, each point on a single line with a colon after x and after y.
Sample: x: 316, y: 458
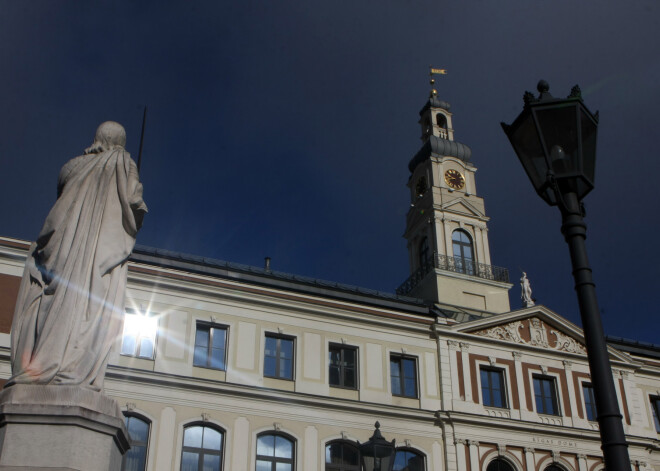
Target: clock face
x: 454, y: 179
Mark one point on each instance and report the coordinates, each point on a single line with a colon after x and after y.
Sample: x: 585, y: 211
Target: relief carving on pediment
x: 510, y: 332
x: 535, y: 333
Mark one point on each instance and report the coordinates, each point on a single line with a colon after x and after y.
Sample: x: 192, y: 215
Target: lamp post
x: 555, y: 140
x: 377, y: 454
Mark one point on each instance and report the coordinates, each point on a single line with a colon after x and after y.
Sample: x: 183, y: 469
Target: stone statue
x: 526, y: 291
x: 71, y: 300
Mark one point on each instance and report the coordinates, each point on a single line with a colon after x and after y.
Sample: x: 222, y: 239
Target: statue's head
x: 109, y: 135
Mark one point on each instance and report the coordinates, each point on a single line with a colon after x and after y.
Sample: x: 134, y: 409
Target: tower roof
x: 435, y: 102
x: 440, y: 146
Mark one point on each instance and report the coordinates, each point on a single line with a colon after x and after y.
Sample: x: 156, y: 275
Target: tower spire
x: 433, y: 71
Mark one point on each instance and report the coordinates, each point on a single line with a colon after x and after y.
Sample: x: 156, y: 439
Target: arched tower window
x: 407, y: 459
x: 202, y: 448
x: 424, y: 252
x: 138, y: 432
x: 499, y: 464
x: 342, y: 455
x: 463, y: 252
x: 441, y: 121
x: 275, y: 452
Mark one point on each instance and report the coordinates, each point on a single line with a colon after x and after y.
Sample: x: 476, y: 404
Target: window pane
x: 199, y: 357
x: 266, y: 445
x: 270, y: 364
x: 271, y: 346
x: 334, y: 376
x: 135, y: 459
x: 349, y: 378
x: 349, y: 357
x: 283, y: 447
x: 128, y: 344
x: 286, y: 370
x: 263, y: 465
x: 655, y: 401
x: 193, y: 437
x: 138, y: 429
x: 211, y: 463
x: 212, y: 439
x: 283, y: 467
x: 146, y: 348
x: 219, y: 338
x: 409, y: 368
x: 202, y: 336
x: 410, y: 387
x: 218, y: 359
x: 286, y: 348
x: 190, y: 461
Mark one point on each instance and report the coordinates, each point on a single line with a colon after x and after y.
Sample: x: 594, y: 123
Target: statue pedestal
x: 63, y: 428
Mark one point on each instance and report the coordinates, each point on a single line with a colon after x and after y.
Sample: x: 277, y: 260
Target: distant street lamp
x: 377, y: 454
x: 555, y: 140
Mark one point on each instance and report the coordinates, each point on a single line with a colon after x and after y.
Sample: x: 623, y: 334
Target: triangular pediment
x: 464, y: 207
x: 537, y: 327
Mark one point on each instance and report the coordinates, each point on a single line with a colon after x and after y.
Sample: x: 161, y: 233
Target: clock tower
x: 446, y: 226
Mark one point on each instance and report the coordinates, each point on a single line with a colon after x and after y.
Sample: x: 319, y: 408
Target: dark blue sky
x: 284, y: 128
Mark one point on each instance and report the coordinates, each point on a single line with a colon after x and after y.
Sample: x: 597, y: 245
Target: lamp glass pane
x: 525, y: 141
x: 559, y: 127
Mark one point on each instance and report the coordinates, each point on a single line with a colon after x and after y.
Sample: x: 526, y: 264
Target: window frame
x: 342, y: 467
x: 279, y: 338
x: 401, y: 358
x: 138, y: 338
x: 462, y: 263
x: 273, y: 460
x: 554, y: 398
x: 212, y: 426
x: 342, y: 375
x: 128, y: 415
x: 591, y: 405
x: 407, y: 449
x: 500, y: 460
x: 655, y: 410
x: 504, y: 397
x: 212, y: 327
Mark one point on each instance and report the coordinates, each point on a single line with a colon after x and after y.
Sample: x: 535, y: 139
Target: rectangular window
x: 403, y: 374
x: 493, y: 390
x: 210, y: 346
x: 589, y: 401
x: 278, y: 357
x: 139, y: 337
x: 343, y: 371
x: 545, y: 392
x: 655, y: 405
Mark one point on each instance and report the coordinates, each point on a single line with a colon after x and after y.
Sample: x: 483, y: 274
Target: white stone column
x: 240, y: 445
x: 582, y: 462
x: 529, y: 458
x: 460, y: 454
x: 166, y: 445
x: 568, y: 368
x: 520, y: 381
x: 448, y: 248
x: 453, y: 363
x: 474, y: 454
x: 310, y: 457
x: 465, y: 347
x: 438, y: 457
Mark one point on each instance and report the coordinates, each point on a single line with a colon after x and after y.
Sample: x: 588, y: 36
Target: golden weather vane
x: 433, y: 71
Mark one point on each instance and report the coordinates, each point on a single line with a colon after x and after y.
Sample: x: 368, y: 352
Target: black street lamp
x: 377, y: 454
x: 555, y: 140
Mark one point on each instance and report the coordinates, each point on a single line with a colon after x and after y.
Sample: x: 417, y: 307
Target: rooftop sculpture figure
x: 70, y: 303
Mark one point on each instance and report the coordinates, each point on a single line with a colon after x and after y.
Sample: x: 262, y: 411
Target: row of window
x: 493, y: 392
x: 210, y: 351
x: 203, y: 447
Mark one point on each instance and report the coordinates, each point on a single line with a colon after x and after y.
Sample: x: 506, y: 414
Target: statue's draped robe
x: 71, y: 299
